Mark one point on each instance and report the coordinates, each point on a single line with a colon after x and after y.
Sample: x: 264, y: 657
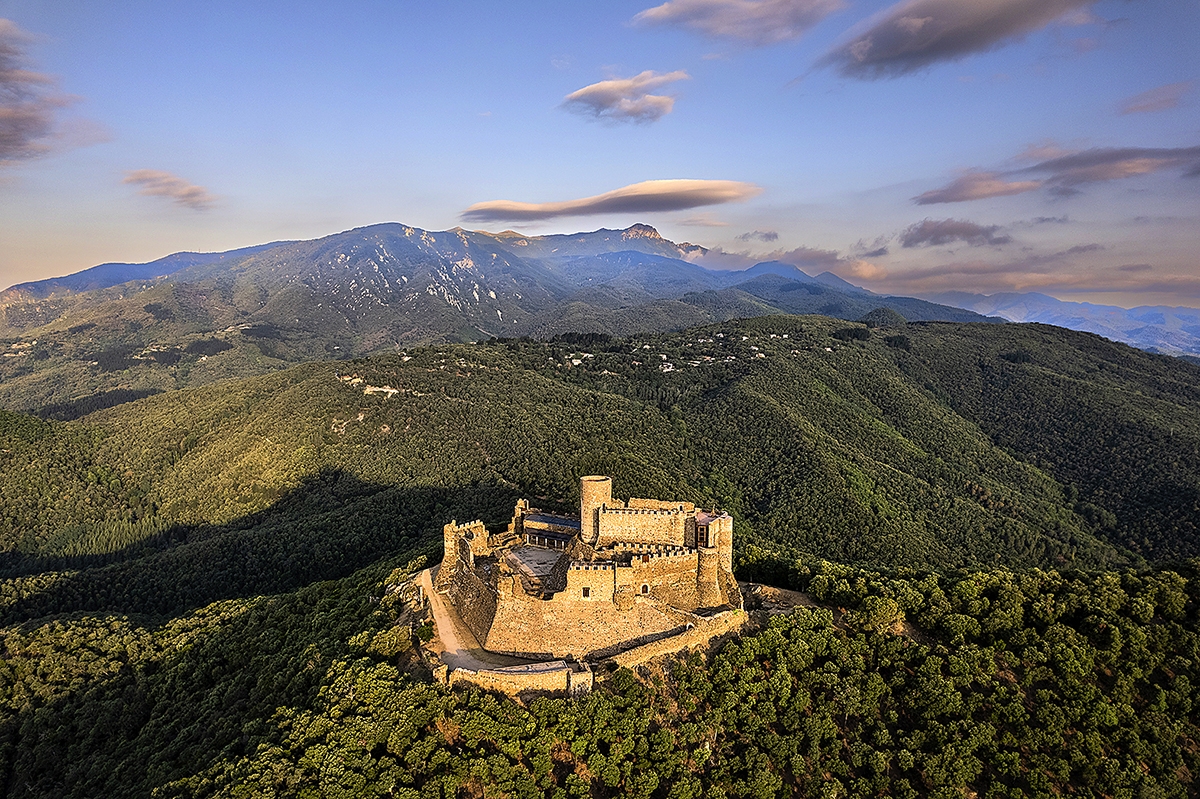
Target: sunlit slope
x: 1118, y: 426
x: 837, y: 453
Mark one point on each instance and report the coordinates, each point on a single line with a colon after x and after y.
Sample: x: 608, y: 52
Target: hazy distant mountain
x: 106, y: 275
x: 1158, y: 328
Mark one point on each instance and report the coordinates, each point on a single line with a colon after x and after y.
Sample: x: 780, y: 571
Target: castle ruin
x: 622, y: 574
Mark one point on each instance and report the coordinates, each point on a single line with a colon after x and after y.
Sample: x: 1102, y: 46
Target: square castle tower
x: 620, y: 575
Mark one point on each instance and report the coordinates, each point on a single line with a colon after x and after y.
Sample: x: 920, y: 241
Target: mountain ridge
x: 379, y: 288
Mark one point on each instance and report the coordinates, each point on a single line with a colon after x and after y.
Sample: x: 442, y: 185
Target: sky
x: 911, y: 147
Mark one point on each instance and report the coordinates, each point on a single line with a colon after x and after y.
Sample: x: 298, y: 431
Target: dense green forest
x: 996, y: 523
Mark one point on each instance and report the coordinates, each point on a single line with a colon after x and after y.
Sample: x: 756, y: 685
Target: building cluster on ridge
x: 622, y: 574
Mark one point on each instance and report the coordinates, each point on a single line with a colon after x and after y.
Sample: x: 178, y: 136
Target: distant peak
x: 640, y: 232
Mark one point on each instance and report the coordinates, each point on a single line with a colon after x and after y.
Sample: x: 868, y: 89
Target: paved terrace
x: 534, y: 564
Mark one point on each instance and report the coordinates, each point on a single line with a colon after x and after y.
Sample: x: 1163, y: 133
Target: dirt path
x: 454, y: 642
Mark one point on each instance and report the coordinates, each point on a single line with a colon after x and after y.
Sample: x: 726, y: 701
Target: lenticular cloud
x: 645, y: 197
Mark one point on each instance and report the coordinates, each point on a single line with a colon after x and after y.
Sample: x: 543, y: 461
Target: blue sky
x: 912, y: 147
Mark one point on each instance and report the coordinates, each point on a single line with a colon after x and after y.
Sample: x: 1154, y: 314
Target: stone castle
x: 621, y: 575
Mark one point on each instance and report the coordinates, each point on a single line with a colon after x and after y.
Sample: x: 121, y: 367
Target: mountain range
x: 1155, y: 328
x: 192, y: 318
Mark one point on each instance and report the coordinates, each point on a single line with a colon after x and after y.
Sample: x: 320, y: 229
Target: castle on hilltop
x: 620, y: 575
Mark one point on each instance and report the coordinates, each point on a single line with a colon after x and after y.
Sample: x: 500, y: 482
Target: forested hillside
x: 993, y: 522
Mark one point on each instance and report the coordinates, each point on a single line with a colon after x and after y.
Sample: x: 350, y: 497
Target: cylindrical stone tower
x: 708, y: 585
x: 594, y: 490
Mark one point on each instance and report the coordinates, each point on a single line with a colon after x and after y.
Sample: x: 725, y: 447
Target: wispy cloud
x: 28, y: 100
x: 1067, y: 172
x: 915, y: 34
x: 759, y: 235
x: 1160, y: 99
x: 702, y: 220
x: 649, y: 196
x: 1021, y: 274
x: 936, y: 232
x: 1063, y: 174
x: 812, y: 260
x: 626, y: 99
x: 156, y: 183
x: 754, y: 22
x: 976, y: 185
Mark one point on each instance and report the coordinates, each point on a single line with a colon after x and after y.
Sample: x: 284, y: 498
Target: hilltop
x: 942, y: 445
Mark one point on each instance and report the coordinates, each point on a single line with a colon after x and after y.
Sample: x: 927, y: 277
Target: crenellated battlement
x: 623, y: 572
x: 644, y: 511
x: 586, y: 566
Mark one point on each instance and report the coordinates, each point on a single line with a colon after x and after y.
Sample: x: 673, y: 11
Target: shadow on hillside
x: 330, y: 526
x: 141, y: 712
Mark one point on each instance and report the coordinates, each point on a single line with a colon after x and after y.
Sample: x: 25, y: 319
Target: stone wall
x: 570, y: 626
x: 473, y: 600
x: 721, y: 529
x: 475, y: 536
x: 660, y: 504
x: 549, y: 678
x: 700, y: 635
x: 645, y: 525
x: 670, y: 578
x: 708, y: 579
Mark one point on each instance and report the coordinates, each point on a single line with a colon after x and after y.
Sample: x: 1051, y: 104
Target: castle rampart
x: 622, y: 576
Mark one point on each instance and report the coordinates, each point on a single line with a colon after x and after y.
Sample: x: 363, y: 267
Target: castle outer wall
x: 629, y: 574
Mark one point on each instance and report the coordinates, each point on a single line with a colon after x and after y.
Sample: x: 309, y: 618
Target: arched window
x: 645, y: 588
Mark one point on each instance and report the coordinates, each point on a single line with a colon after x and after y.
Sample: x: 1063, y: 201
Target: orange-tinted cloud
x: 156, y: 183
x: 649, y: 196
x: 976, y: 185
x: 1159, y: 99
x: 626, y: 99
x: 1063, y: 174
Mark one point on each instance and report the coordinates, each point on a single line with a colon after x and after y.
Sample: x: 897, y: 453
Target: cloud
x: 1067, y: 172
x: 1159, y: 99
x: 759, y: 235
x: 28, y: 102
x: 1075, y: 269
x: 754, y: 22
x: 702, y: 220
x: 649, y: 196
x: 914, y: 34
x: 976, y: 185
x: 809, y: 259
x: 935, y: 232
x: 1063, y: 174
x: 861, y: 270
x: 625, y: 99
x: 156, y: 183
